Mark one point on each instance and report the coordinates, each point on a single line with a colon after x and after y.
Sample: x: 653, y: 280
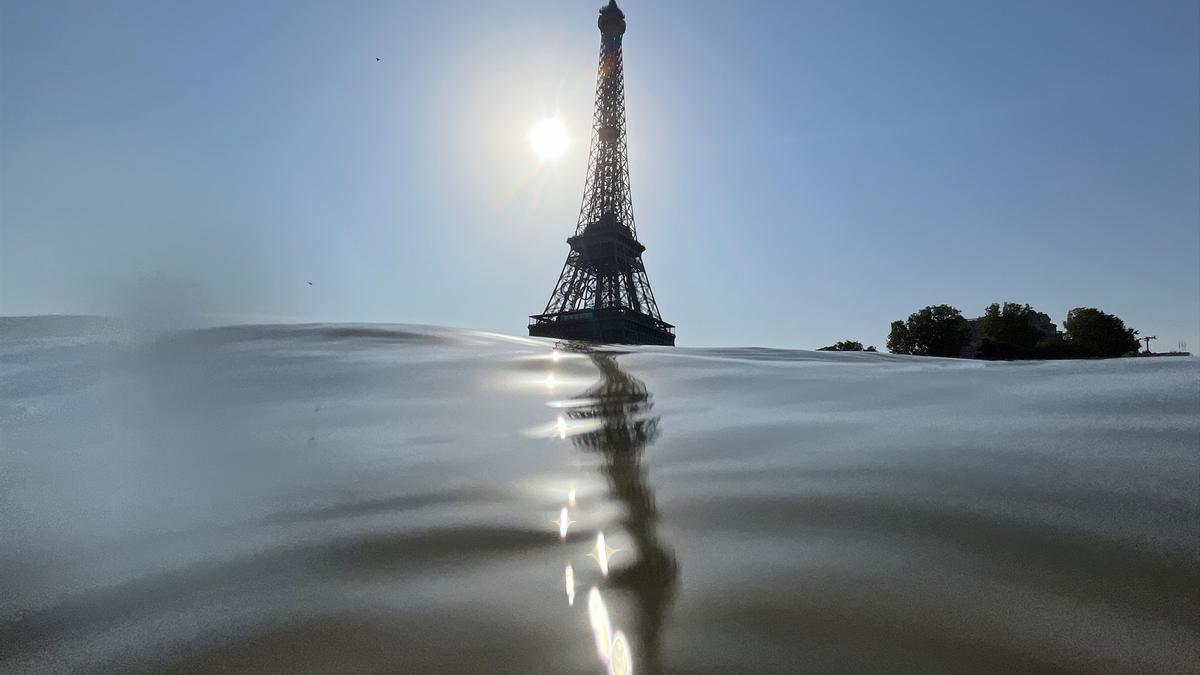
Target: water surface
x: 368, y: 498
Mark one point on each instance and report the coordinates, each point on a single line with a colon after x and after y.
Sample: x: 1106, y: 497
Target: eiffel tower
x: 603, y: 294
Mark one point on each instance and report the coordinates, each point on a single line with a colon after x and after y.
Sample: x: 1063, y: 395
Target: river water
x: 376, y: 498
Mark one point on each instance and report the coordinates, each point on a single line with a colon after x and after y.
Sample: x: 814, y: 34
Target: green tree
x: 1053, y: 347
x: 937, y: 330
x: 843, y: 346
x: 1092, y: 333
x: 898, y: 341
x: 1008, y: 332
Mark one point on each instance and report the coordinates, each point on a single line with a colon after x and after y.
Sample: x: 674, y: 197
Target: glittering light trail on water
x: 569, y: 579
x: 601, y: 553
x: 620, y: 659
x: 601, y: 626
x: 564, y: 520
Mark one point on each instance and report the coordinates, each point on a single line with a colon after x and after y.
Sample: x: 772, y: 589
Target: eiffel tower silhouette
x: 603, y: 294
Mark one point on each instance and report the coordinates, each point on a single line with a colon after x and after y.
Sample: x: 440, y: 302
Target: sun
x: 549, y: 139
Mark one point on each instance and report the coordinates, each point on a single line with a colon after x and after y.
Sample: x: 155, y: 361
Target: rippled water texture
x: 358, y: 498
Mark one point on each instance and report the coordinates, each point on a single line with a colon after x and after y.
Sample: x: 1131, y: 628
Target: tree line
x: 1006, y: 331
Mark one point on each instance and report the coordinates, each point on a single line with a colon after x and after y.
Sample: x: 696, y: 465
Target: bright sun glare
x: 549, y: 139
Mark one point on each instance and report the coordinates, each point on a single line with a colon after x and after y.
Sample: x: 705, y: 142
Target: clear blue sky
x: 802, y: 172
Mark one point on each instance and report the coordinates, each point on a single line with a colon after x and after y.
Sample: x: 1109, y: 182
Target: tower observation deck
x: 603, y: 294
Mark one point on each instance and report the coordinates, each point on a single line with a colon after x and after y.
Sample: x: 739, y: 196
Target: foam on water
x: 370, y: 497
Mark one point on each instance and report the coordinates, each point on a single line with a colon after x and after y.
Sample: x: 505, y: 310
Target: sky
x: 802, y: 172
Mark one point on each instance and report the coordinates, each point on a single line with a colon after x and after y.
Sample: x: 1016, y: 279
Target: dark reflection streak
x: 622, y: 407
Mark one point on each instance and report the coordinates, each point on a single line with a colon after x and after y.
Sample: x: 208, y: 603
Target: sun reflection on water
x: 601, y: 625
x: 613, y: 418
x: 601, y: 553
x: 563, y: 521
x: 569, y: 581
x: 620, y: 660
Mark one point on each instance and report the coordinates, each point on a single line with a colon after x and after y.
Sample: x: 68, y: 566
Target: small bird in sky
x: 310, y: 283
x: 378, y: 59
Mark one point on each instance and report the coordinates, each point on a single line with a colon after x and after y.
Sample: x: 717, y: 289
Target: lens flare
x: 550, y: 381
x: 562, y: 429
x: 571, y: 494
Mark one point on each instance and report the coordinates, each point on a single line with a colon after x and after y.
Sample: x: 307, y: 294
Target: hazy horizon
x: 801, y: 173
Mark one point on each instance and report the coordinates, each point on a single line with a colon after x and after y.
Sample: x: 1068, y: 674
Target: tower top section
x: 611, y: 21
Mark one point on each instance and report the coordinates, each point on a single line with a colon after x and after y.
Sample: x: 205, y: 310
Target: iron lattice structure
x: 603, y: 293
